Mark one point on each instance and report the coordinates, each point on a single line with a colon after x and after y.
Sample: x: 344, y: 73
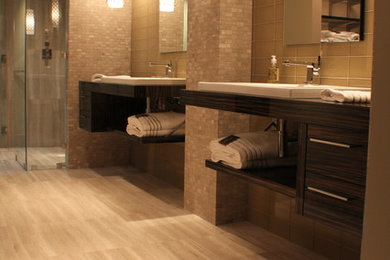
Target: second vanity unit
x: 329, y: 180
x: 105, y: 106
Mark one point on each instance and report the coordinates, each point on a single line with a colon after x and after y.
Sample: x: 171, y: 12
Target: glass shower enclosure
x: 33, y: 82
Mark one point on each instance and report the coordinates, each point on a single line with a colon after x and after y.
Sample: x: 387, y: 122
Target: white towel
x: 156, y: 124
x: 101, y: 77
x: 249, y: 150
x: 97, y: 77
x: 329, y: 36
x: 347, y: 96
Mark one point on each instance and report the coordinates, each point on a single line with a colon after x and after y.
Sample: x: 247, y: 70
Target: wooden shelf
x: 279, y: 179
x: 154, y: 139
x: 341, y: 19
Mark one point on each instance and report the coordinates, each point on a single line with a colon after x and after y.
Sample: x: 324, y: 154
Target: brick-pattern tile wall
x: 98, y: 42
x: 219, y: 49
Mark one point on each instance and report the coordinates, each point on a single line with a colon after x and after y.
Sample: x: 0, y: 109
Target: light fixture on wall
x: 55, y: 13
x: 167, y: 6
x: 30, y: 22
x: 115, y: 3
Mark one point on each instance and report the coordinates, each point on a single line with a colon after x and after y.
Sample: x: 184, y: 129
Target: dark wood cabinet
x: 335, y: 176
x: 106, y: 107
x: 332, y: 157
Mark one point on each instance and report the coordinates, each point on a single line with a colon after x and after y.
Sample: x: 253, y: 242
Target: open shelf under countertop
x: 154, y: 139
x: 279, y: 179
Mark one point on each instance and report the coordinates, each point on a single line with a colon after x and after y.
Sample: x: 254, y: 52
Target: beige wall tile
x: 335, y: 67
x: 360, y: 67
x: 334, y: 81
x: 331, y: 68
x: 363, y: 48
x: 333, y: 49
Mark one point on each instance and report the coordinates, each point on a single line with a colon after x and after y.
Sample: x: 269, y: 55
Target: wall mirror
x: 173, y: 25
x: 323, y: 21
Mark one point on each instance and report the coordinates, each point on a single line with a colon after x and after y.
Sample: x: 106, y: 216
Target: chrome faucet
x: 312, y: 68
x: 168, y: 67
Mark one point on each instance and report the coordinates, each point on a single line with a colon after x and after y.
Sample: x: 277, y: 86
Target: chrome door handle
x: 315, y: 140
x: 335, y: 196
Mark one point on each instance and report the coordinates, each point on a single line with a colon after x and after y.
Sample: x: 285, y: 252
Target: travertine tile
x: 92, y: 51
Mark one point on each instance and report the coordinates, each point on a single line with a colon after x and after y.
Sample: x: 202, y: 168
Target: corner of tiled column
x: 219, y: 49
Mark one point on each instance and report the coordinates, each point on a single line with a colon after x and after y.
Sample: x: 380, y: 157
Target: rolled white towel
x: 346, y: 96
x: 245, y: 147
x: 156, y: 124
x: 97, y: 77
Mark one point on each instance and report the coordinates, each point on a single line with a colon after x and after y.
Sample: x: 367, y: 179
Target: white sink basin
x: 270, y: 89
x: 128, y: 80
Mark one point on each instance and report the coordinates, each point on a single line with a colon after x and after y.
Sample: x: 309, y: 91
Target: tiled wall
x: 164, y: 160
x: 145, y: 42
x: 219, y: 49
x: 99, y: 42
x: 347, y: 64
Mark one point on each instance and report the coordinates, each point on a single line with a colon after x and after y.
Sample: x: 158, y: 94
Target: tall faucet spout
x: 312, y: 68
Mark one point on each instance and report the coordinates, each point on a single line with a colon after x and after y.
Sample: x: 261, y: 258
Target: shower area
x: 33, y: 83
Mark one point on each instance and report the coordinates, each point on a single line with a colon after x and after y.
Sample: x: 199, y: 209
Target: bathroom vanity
x: 329, y: 179
x: 106, y: 106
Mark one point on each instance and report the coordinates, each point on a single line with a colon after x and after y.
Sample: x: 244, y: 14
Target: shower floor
x: 38, y: 157
x: 45, y: 158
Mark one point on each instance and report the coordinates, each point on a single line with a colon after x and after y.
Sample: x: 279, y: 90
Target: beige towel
x: 156, y: 124
x: 249, y: 150
x: 347, y: 96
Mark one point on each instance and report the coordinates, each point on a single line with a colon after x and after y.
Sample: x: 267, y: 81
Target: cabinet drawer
x: 349, y: 137
x: 347, y: 164
x: 335, y: 202
x: 337, y: 153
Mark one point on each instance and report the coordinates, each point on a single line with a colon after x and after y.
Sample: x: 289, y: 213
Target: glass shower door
x: 46, y: 84
x: 17, y: 81
x: 12, y: 81
x: 3, y: 92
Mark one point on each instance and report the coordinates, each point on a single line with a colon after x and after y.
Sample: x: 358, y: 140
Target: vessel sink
x: 128, y: 80
x: 270, y: 89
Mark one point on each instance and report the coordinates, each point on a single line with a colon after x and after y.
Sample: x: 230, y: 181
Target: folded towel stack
x: 156, y: 124
x: 346, y: 96
x: 249, y: 150
x: 329, y: 36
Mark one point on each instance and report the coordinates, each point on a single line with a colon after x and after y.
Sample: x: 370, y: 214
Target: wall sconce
x: 55, y: 13
x: 115, y: 3
x: 167, y: 6
x: 30, y: 22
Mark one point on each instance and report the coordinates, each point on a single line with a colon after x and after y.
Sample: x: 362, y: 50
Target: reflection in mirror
x: 327, y: 21
x: 342, y: 20
x: 173, y: 26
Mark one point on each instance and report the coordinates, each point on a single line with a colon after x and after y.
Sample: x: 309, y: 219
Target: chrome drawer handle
x: 329, y: 194
x: 315, y: 140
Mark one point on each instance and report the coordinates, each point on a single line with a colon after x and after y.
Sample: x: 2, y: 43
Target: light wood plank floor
x: 116, y: 213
